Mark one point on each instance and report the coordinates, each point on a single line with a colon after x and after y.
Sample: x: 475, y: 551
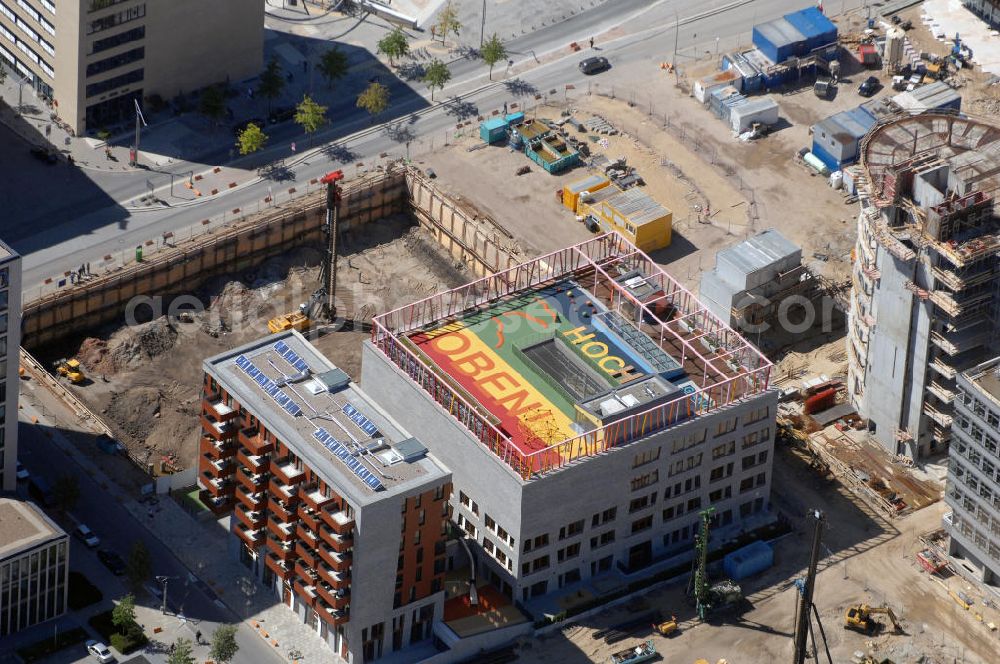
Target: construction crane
x: 803, y: 624
x: 860, y: 619
x: 701, y: 591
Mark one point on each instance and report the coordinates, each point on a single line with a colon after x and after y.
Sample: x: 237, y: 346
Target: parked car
x: 594, y: 65
x: 241, y: 127
x: 869, y: 87
x: 87, y: 536
x: 280, y: 115
x: 22, y: 472
x: 112, y: 561
x: 100, y: 651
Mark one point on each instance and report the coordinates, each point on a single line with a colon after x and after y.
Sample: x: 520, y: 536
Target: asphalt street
x: 643, y: 33
x: 118, y: 530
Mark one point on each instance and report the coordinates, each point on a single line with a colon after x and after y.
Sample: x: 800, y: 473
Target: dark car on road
x: 280, y: 115
x: 44, y: 154
x: 112, y: 561
x: 594, y: 65
x: 241, y: 127
x: 869, y: 87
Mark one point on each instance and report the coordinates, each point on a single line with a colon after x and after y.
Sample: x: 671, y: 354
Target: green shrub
x: 82, y: 593
x: 44, y: 648
x: 123, y: 643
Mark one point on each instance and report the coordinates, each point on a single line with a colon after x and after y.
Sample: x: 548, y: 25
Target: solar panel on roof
x: 339, y: 450
x: 269, y: 386
x: 366, y: 425
x: 290, y: 356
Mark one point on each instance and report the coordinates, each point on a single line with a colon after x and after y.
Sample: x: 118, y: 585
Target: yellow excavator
x: 296, y: 320
x: 71, y: 369
x: 860, y: 619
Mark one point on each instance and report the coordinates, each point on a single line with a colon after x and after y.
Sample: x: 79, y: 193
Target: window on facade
x: 645, y: 480
x: 727, y: 425
x: 642, y: 524
x: 571, y: 530
x: 643, y: 458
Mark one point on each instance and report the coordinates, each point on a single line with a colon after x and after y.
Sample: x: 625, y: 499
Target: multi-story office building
x: 988, y: 10
x: 974, y: 471
x: 34, y: 567
x: 94, y: 58
x: 588, y: 407
x: 10, y: 343
x: 926, y: 280
x: 335, y: 507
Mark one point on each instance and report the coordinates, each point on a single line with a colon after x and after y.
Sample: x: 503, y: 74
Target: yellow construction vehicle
x: 667, y: 627
x: 859, y: 618
x: 296, y: 320
x: 70, y: 369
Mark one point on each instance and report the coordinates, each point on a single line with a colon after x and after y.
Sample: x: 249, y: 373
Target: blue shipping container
x: 493, y: 130
x: 751, y: 559
x: 778, y: 40
x: 814, y: 26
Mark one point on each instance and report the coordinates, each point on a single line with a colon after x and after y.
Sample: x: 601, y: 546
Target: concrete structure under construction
x: 34, y: 567
x: 974, y: 471
x: 588, y: 407
x: 95, y: 58
x: 924, y: 303
x: 336, y: 509
x: 753, y: 282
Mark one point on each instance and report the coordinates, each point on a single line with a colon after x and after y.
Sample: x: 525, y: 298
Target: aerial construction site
x: 585, y: 333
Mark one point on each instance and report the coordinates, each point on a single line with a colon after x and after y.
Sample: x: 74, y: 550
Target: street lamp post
x: 164, y: 580
x: 482, y: 27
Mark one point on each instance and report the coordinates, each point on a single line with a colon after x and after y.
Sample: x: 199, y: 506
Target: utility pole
x: 328, y: 271
x: 802, y: 621
x: 138, y: 118
x: 677, y: 28
x: 164, y: 580
x: 482, y: 28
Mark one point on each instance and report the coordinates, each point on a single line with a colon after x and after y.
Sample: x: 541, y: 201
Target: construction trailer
x: 836, y: 139
x: 936, y: 96
x: 633, y: 213
x: 762, y: 110
x: 751, y: 279
x: 720, y: 79
x: 794, y: 35
x: 571, y: 193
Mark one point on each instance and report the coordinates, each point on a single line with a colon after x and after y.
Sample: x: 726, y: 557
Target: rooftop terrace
x: 23, y: 526
x: 315, y: 409
x: 561, y: 358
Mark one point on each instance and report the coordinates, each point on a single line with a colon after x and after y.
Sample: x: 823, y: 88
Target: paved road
x: 118, y: 529
x: 644, y: 34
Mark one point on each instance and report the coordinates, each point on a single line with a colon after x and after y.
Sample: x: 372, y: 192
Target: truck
x: 642, y: 652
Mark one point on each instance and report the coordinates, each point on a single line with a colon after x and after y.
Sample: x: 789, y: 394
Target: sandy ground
x: 145, y: 379
x: 865, y: 559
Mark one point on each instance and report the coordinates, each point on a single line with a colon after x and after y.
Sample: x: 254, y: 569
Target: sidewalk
x: 203, y: 548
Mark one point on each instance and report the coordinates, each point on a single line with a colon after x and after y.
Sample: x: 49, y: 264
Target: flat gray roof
x: 986, y: 377
x: 340, y: 434
x: 24, y: 526
x: 759, y: 251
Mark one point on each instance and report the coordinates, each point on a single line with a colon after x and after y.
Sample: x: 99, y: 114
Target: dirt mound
x: 135, y: 412
x: 128, y: 348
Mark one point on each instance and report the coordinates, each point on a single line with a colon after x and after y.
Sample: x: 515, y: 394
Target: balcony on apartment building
x: 338, y: 562
x: 305, y: 571
x: 215, y: 428
x: 253, y: 482
x: 253, y: 538
x: 217, y: 449
x: 253, y: 500
x: 306, y: 554
x: 338, y: 598
x: 309, y: 517
x: 217, y: 467
x: 217, y: 486
x: 214, y: 405
x: 285, y: 471
x: 282, y: 569
x: 307, y: 536
x: 282, y: 512
x: 339, y: 543
x: 962, y: 339
x: 256, y: 463
x: 331, y: 576
x: 305, y: 591
x: 281, y: 550
x: 283, y: 531
x: 217, y: 505
x: 340, y: 522
x: 331, y: 615
x: 314, y: 498
x: 252, y: 519
x: 252, y: 439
